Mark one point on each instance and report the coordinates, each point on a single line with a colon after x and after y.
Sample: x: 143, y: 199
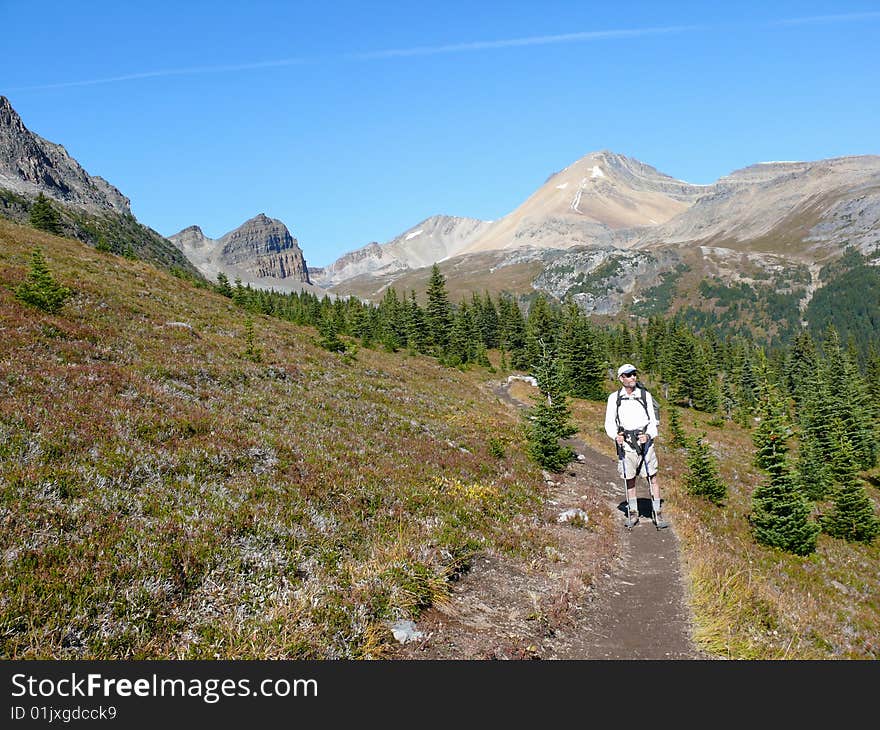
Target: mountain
x: 583, y: 204
x: 30, y: 165
x: 586, y: 202
x: 806, y: 210
x: 90, y: 208
x: 617, y: 235
x: 434, y: 239
x: 260, y: 252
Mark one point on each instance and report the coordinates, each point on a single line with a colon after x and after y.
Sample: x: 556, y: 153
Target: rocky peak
x: 190, y: 238
x: 261, y: 247
x: 9, y: 118
x: 30, y: 165
x: 434, y: 239
x: 606, y: 168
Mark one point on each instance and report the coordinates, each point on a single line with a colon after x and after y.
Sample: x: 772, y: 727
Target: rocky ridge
x: 30, y: 165
x: 261, y: 252
x: 89, y: 208
x: 435, y: 239
x: 807, y: 209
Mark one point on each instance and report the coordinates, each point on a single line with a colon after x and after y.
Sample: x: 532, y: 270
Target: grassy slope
x: 749, y: 601
x: 162, y: 496
x: 121, y: 232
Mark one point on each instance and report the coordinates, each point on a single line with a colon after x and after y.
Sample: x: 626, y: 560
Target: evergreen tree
x: 728, y: 399
x: 548, y: 420
x: 482, y: 358
x: 359, y: 324
x: 677, y: 439
x: 251, y: 351
x: 416, y: 326
x: 815, y: 413
x: 843, y: 467
x: 44, y: 216
x: 487, y: 319
x: 702, y: 477
x: 853, y: 517
x: 812, y: 473
x: 540, y: 329
x: 40, y: 289
x: 704, y: 391
x: 780, y: 516
x: 745, y: 384
x: 843, y: 385
x: 329, y: 334
x: 581, y: 366
x: 771, y: 436
x: 623, y: 344
x: 512, y: 333
x: 239, y: 294
x: 801, y: 366
x: 392, y: 321
x: 103, y: 245
x: 461, y: 347
x: 439, y: 311
x: 392, y: 325
x: 678, y: 358
x: 780, y: 511
x: 655, y: 335
x: 872, y: 384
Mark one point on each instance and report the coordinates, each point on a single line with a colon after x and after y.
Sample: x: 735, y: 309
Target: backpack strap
x: 643, y: 399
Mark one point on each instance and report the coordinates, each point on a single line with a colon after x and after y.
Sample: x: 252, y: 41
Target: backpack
x: 643, y: 399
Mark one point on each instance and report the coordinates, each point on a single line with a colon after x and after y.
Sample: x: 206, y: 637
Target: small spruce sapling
x: 702, y: 477
x: 40, y: 289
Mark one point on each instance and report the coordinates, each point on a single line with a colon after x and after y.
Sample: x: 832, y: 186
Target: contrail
x: 171, y: 72
x: 581, y: 37
x: 519, y: 42
x: 842, y: 18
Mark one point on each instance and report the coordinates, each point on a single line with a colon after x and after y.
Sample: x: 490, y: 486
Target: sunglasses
x: 629, y: 375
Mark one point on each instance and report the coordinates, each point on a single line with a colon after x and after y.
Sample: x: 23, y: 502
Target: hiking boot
x: 659, y: 522
x: 632, y: 519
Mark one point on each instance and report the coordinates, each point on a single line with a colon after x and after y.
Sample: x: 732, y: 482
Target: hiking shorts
x: 632, y: 459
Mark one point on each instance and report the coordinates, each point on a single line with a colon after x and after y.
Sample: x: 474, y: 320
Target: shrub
x: 702, y: 478
x: 40, y: 290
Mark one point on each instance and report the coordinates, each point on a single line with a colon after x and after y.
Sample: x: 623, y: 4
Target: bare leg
x: 655, y: 488
x: 631, y: 489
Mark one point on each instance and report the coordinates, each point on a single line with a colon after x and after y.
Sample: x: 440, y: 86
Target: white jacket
x: 632, y: 414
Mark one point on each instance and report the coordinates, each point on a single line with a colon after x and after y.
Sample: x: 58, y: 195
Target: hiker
x: 631, y: 421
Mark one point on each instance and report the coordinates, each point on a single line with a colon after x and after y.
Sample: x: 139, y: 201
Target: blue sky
x: 353, y: 121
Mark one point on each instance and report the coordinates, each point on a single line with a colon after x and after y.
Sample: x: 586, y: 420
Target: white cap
x: 626, y: 369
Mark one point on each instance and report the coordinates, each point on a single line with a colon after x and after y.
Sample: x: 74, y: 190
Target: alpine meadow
x: 197, y: 470
x: 391, y: 339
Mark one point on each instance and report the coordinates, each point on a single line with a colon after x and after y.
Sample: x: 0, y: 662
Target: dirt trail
x: 603, y: 592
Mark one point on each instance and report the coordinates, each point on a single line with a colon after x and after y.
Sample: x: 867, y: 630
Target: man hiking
x: 631, y: 421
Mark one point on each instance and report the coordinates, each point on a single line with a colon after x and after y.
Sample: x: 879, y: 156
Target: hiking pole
x: 642, y: 448
x: 621, y: 457
x: 655, y: 519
